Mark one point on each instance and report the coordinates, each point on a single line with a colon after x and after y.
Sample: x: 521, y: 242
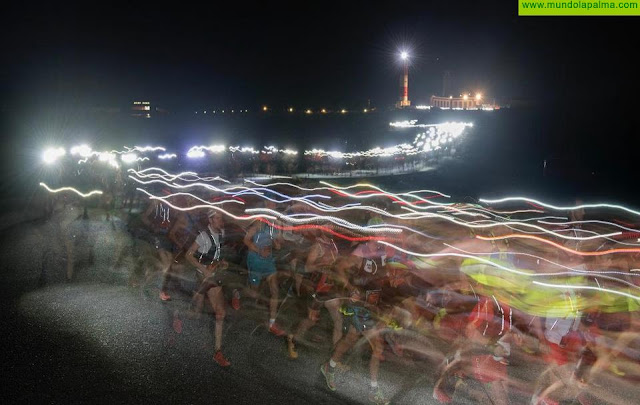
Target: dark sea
x: 530, y: 152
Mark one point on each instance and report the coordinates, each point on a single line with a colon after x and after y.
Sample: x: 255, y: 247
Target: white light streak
x: 560, y: 208
x: 58, y: 190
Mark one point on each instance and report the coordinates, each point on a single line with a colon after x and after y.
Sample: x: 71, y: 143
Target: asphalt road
x: 99, y: 339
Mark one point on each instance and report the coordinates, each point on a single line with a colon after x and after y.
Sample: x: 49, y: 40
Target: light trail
x: 589, y: 222
x: 566, y: 208
x: 496, y: 265
x: 170, y: 177
x: 586, y: 287
x: 470, y: 225
x: 205, y: 206
x: 213, y: 188
x: 338, y: 221
x: 451, y: 254
x: 58, y: 190
x: 323, y: 228
x: 576, y: 230
x: 566, y: 249
x: 200, y: 199
x: 572, y: 270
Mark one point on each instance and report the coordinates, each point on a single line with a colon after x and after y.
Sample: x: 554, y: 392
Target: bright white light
x: 52, y: 154
x: 83, y: 195
x: 167, y: 156
x: 81, y: 150
x: 423, y: 107
x: 217, y: 148
x: 404, y: 55
x: 403, y: 124
x: 129, y: 157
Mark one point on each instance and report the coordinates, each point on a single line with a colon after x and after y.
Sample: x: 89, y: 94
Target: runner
x: 205, y: 255
x: 182, y: 234
x: 483, y: 353
x: 319, y: 268
x: 361, y: 317
x: 261, y: 239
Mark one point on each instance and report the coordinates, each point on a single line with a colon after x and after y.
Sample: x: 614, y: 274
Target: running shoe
x: 164, y: 296
x: 291, y: 346
x: 377, y: 397
x: 275, y: 329
x: 543, y: 401
x: 441, y: 396
x: 220, y: 359
x: 329, y: 375
x: 235, y: 301
x: 615, y: 370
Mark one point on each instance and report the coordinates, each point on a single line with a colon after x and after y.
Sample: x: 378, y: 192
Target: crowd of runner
x: 458, y: 299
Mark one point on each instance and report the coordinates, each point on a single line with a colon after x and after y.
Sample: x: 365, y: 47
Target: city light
x: 264, y: 108
x: 290, y: 109
x: 81, y: 150
x: 478, y: 96
x: 129, y: 157
x: 404, y: 55
x: 52, y: 154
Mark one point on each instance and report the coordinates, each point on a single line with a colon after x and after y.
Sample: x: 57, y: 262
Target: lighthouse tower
x: 404, y: 82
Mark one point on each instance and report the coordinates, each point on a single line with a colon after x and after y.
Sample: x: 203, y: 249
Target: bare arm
x: 191, y: 259
x: 248, y: 238
x: 312, y: 258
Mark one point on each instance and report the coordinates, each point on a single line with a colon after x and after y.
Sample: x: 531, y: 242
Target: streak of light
x: 205, y: 206
x: 586, y: 287
x: 83, y: 195
x: 471, y: 225
x: 590, y: 222
x: 335, y: 220
x: 323, y: 228
x: 566, y: 208
x: 170, y: 177
x: 566, y: 249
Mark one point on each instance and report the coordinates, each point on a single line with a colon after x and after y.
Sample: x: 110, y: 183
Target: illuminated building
x: 144, y: 109
x: 464, y: 102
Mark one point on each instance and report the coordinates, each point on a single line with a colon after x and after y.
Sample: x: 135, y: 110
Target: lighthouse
x: 404, y: 82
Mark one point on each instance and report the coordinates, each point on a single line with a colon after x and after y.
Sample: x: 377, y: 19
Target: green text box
x: 579, y: 7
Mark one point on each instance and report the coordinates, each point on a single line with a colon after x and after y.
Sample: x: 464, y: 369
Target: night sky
x: 319, y: 54
x: 580, y: 72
